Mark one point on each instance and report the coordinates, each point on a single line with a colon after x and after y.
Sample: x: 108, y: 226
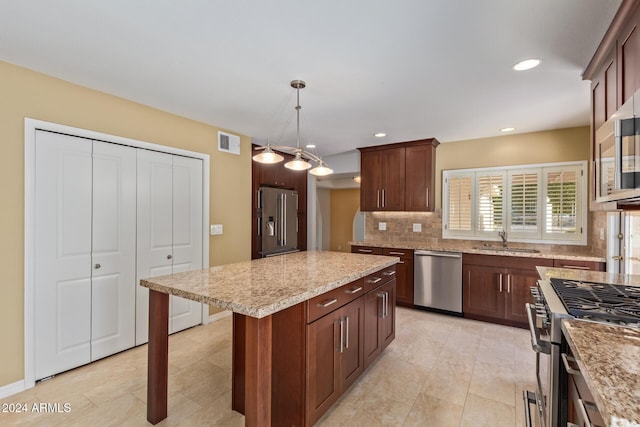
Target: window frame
x: 540, y: 235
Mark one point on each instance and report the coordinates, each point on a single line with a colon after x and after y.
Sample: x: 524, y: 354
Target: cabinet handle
x: 376, y: 280
x: 377, y: 198
x: 565, y: 361
x: 508, y: 283
x: 381, y: 296
x: 576, y: 267
x: 400, y: 262
x: 582, y: 407
x: 386, y: 304
x: 353, y: 291
x: 97, y: 266
x: 346, y: 334
x: 365, y: 251
x: 500, y: 282
x: 341, y: 346
x: 427, y: 197
x: 389, y: 273
x: 327, y: 303
x: 396, y: 253
x: 384, y: 201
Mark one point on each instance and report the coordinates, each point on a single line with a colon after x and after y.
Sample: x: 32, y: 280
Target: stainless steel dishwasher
x: 438, y: 280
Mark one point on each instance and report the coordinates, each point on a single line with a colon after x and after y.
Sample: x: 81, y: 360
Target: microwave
x: 617, y: 154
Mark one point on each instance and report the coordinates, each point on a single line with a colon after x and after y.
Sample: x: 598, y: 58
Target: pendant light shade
x: 268, y: 156
x: 298, y: 163
x: 321, y: 170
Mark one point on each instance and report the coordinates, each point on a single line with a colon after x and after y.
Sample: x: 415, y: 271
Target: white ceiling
x: 412, y: 68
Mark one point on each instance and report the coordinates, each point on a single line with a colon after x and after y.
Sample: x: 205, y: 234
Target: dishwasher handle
x: 438, y: 254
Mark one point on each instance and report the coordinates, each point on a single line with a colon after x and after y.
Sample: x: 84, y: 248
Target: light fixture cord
x: 298, y: 107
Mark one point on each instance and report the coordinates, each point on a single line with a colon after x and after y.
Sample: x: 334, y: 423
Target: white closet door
x: 113, y: 249
x: 187, y: 236
x: 62, y: 253
x: 154, y: 228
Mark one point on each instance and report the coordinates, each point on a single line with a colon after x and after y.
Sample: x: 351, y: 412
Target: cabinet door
x: 323, y: 365
x: 113, y: 279
x: 63, y: 253
x: 404, y: 282
x: 351, y: 358
x: 393, y: 179
x: 517, y: 293
x: 372, y: 318
x: 419, y: 190
x: 481, y: 291
x: 370, y: 174
x: 628, y: 63
x: 388, y: 324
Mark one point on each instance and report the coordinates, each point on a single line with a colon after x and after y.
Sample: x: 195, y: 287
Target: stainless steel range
x: 556, y: 299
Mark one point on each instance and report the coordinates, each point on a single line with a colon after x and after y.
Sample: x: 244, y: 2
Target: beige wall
x: 344, y: 205
x: 28, y: 94
x: 529, y: 148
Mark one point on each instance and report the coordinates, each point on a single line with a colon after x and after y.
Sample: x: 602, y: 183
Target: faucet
x: 503, y: 236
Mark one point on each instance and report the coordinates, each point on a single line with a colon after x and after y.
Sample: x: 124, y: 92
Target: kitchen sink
x: 501, y: 249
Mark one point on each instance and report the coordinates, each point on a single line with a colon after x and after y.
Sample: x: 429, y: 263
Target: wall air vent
x: 228, y: 143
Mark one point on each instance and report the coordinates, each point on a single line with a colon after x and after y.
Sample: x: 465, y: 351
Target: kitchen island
x: 306, y: 287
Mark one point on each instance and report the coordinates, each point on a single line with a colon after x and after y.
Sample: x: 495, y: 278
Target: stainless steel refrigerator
x: 277, y: 221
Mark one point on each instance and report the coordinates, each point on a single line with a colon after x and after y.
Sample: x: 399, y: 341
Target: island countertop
x: 608, y: 359
x: 261, y: 287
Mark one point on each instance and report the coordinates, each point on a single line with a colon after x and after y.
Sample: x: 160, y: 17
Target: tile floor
x: 439, y: 371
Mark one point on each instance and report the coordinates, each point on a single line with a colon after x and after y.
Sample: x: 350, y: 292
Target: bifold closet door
x: 169, y: 231
x: 84, y: 251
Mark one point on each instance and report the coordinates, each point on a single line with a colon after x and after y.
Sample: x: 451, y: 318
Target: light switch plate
x: 216, y: 229
x: 417, y: 228
x: 382, y: 226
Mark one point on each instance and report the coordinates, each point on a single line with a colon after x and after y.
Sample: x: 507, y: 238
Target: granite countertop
x: 546, y: 273
x: 609, y: 359
x: 452, y: 247
x: 265, y: 286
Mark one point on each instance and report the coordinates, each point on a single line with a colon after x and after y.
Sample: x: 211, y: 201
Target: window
x: 536, y: 203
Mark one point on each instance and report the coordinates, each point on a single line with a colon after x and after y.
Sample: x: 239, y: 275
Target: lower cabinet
x: 496, y: 288
x: 334, y: 356
x: 321, y: 347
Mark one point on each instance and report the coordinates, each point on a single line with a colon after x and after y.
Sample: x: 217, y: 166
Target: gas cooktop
x: 599, y: 301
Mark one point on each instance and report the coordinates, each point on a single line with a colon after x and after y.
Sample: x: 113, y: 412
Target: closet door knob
x: 97, y: 266
x: 169, y: 257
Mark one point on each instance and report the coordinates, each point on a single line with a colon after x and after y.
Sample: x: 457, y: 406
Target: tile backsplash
x: 400, y: 225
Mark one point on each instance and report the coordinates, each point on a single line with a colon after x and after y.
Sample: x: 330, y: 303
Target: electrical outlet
x: 382, y: 226
x: 216, y: 229
x: 602, y: 234
x: 417, y: 228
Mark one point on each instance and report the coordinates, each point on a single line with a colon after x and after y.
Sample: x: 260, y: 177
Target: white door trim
x: 30, y: 127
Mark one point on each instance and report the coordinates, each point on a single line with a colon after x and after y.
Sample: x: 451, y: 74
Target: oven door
x: 541, y: 396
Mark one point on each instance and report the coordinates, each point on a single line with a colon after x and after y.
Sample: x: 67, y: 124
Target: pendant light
x: 301, y: 158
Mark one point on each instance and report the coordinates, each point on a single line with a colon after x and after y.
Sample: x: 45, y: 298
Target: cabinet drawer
x: 579, y: 265
x: 371, y: 250
x: 329, y: 301
x: 379, y: 278
x: 505, y: 261
x: 405, y: 254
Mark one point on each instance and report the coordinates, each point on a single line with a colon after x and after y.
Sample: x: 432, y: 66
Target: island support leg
x: 158, y: 348
x: 258, y: 341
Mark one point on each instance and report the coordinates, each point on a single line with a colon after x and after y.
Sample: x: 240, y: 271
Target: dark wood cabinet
x: 276, y: 175
x: 318, y: 347
x: 496, y: 288
x: 379, y: 318
x: 404, y: 275
x: 335, y: 356
x: 398, y: 177
x: 403, y: 270
x: 382, y: 174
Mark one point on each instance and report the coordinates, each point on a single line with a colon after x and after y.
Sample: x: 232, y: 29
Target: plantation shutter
x: 524, y: 191
x: 490, y: 211
x: 562, y: 208
x: 460, y: 204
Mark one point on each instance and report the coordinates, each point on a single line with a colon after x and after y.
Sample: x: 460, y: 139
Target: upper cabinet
x: 614, y: 72
x: 398, y: 177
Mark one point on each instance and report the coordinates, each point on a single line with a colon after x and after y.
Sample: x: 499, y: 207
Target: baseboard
x: 12, y: 388
x: 218, y: 316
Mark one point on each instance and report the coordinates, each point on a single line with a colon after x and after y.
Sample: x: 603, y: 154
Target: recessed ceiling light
x: 311, y: 146
x: 507, y: 129
x: 527, y: 64
x: 379, y: 134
